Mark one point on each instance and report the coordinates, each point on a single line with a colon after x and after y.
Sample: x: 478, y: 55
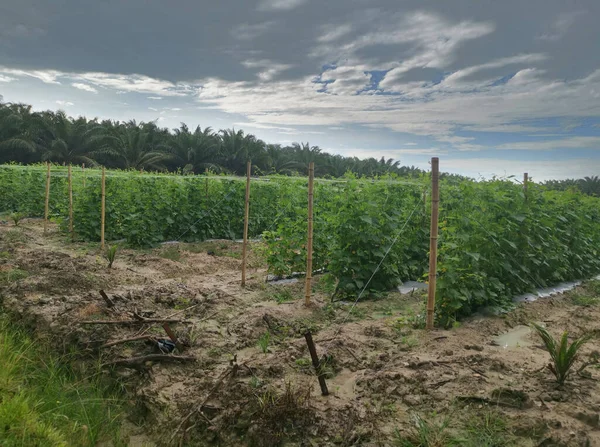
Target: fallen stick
x: 125, y: 340
x: 201, y: 404
x: 151, y: 357
x: 129, y: 322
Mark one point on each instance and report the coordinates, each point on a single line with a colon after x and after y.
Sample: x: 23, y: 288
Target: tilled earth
x: 245, y: 376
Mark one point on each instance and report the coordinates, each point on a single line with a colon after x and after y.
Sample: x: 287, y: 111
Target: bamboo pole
x: 246, y: 213
x: 525, y: 184
x: 103, y: 212
x: 47, y: 203
x: 83, y: 172
x: 206, y: 187
x: 435, y: 200
x: 309, y: 245
x: 71, y: 232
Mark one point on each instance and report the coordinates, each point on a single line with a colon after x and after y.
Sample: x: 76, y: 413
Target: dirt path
x: 383, y: 373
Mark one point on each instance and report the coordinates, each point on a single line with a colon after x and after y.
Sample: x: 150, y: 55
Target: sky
x: 491, y: 87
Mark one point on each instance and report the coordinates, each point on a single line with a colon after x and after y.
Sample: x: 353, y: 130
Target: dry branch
x: 109, y: 302
x: 125, y: 340
x: 132, y: 322
x: 151, y: 357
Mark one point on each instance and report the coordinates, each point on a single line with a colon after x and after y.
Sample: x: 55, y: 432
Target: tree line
x: 27, y: 136
x: 587, y: 185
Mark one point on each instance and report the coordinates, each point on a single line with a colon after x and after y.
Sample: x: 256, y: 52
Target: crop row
x: 494, y: 241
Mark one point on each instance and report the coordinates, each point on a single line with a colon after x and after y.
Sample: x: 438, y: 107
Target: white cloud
x: 279, y: 5
x: 269, y: 70
x: 64, y: 103
x: 6, y: 79
x: 156, y: 98
x: 247, y: 31
x: 85, y: 87
x: 560, y: 143
x: 332, y: 32
x: 560, y: 27
x: 132, y: 83
x: 46, y: 76
x: 153, y: 109
x: 538, y: 170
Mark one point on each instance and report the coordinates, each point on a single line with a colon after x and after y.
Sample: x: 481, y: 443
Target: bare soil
x: 382, y: 372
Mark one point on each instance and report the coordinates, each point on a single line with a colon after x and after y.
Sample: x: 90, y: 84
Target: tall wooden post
x: 103, y: 212
x: 435, y: 201
x: 246, y: 213
x: 525, y: 184
x: 71, y: 205
x: 47, y: 203
x: 206, y: 187
x: 309, y: 244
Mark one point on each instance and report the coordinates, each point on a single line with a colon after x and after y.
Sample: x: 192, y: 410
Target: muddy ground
x: 251, y: 382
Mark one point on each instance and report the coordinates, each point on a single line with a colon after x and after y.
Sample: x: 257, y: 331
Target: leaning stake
x: 103, y: 211
x: 435, y: 201
x: 309, y: 245
x: 47, y: 205
x: 246, y: 212
x: 316, y: 363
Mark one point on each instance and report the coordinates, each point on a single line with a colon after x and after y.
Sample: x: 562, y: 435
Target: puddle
x: 515, y: 338
x: 344, y: 383
x: 411, y: 286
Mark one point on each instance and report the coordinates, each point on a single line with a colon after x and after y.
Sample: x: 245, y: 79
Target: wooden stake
x: 71, y: 231
x: 206, y: 187
x: 47, y: 204
x: 246, y: 213
x: 315, y: 361
x: 103, y: 212
x: 525, y: 184
x: 309, y: 245
x: 435, y: 200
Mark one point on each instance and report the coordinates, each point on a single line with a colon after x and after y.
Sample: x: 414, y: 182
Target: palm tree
x: 16, y: 140
x: 304, y: 154
x: 195, y: 151
x: 136, y: 147
x: 280, y: 160
x: 590, y: 185
x: 63, y: 140
x: 237, y: 149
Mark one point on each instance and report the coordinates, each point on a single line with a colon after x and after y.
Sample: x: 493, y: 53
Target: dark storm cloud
x: 187, y: 40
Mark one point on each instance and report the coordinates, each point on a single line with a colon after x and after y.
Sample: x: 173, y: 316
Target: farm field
x: 482, y: 382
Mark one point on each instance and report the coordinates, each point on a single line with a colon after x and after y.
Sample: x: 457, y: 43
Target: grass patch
x: 14, y: 236
x: 585, y: 300
x: 13, y: 275
x: 171, y: 253
x: 44, y: 403
x: 283, y: 296
x: 485, y: 429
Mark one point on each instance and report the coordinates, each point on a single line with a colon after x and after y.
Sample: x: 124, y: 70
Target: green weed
x: 263, y: 342
x: 427, y: 433
x: 17, y: 217
x: 563, y: 356
x: 585, y: 300
x: 283, y: 296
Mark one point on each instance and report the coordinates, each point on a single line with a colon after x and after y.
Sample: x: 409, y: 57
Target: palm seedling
x: 263, y: 342
x: 17, y: 217
x: 563, y: 356
x: 111, y: 254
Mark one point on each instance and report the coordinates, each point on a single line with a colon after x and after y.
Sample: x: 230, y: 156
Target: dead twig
x: 151, y: 357
x: 352, y: 354
x: 125, y: 340
x: 133, y: 322
x: 198, y: 407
